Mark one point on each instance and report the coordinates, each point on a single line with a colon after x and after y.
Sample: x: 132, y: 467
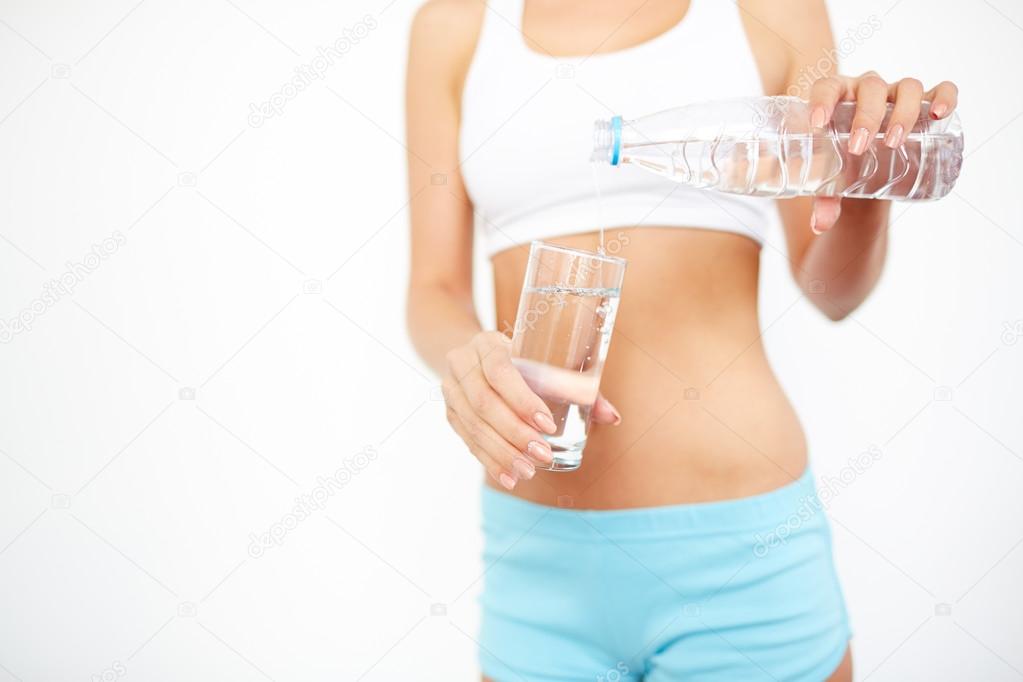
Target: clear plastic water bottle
x: 765, y: 146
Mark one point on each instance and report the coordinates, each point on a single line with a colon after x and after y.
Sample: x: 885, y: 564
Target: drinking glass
x: 561, y: 336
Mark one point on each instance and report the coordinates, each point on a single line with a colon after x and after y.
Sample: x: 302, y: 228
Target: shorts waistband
x: 501, y: 510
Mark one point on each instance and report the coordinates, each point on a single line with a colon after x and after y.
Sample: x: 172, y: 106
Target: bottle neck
x: 607, y: 141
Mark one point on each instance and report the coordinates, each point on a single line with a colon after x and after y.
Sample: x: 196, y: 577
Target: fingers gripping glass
x: 562, y: 333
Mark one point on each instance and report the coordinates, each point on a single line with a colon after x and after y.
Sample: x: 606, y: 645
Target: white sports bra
x: 527, y: 128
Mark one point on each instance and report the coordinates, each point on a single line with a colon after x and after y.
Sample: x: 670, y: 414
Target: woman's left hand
x: 872, y: 95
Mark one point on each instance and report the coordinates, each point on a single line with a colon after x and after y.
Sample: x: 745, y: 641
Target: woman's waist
x: 681, y: 441
x: 703, y: 416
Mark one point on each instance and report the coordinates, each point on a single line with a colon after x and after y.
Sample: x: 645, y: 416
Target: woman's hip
x: 733, y: 585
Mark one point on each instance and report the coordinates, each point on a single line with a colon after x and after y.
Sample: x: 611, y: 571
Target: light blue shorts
x: 734, y: 590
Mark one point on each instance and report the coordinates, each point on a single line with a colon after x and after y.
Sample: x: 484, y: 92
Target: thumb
x: 826, y: 211
x: 603, y: 412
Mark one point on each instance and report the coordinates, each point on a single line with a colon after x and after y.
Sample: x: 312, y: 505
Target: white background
x: 248, y: 337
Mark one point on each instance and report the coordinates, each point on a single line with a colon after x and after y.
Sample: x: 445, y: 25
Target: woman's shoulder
x: 451, y: 10
x: 448, y: 28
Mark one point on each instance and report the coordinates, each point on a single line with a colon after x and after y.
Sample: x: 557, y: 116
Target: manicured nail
x: 938, y: 110
x: 894, y: 136
x: 506, y: 480
x: 544, y: 422
x: 524, y: 468
x: 858, y: 141
x: 818, y: 117
x: 813, y: 224
x: 540, y: 451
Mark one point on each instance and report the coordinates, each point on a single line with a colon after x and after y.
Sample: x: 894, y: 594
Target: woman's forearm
x: 839, y: 268
x: 439, y: 320
x: 842, y: 266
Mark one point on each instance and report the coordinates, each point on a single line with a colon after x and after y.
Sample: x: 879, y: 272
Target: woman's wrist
x: 841, y: 266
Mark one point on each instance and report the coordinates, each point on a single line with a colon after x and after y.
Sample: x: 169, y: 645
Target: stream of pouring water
x: 600, y: 206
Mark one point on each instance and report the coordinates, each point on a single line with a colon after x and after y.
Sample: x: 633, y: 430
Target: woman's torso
x: 703, y: 415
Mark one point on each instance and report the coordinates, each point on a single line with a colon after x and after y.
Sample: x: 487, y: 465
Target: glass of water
x: 561, y: 336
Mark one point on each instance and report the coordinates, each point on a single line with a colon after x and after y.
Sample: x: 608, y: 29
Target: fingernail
x: 544, y: 422
x: 618, y: 417
x: 813, y: 224
x: 818, y: 117
x: 506, y: 480
x: 540, y: 451
x: 938, y: 110
x: 858, y: 141
x: 894, y: 136
x: 524, y: 468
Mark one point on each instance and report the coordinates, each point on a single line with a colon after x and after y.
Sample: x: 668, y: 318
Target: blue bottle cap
x: 616, y: 140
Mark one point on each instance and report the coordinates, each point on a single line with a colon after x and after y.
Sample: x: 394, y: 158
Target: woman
x: 671, y: 554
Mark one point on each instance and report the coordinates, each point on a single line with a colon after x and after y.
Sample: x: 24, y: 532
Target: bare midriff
x: 703, y: 416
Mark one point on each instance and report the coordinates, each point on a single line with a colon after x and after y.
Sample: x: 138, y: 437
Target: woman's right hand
x: 492, y: 409
x: 500, y: 418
